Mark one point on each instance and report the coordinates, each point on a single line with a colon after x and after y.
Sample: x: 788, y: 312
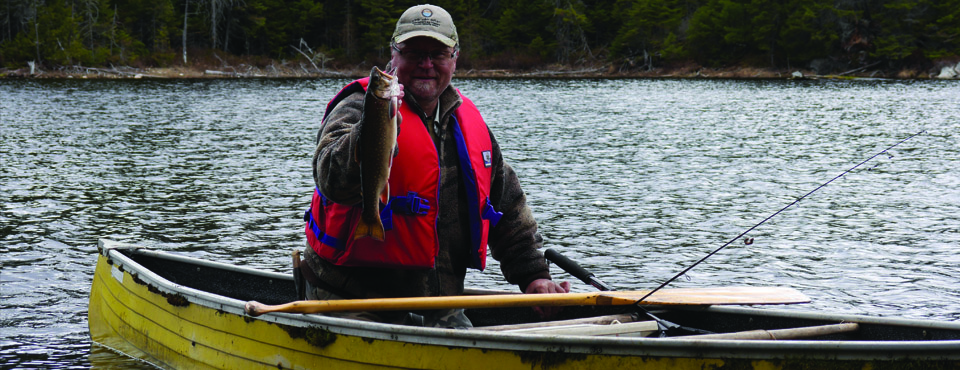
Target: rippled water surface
x: 636, y: 179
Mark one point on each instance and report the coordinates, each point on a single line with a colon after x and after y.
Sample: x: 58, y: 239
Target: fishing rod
x: 681, y: 273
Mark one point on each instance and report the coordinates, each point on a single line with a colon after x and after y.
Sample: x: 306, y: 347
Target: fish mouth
x: 390, y: 86
x: 389, y: 75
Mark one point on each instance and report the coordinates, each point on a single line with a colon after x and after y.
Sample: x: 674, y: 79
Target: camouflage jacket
x: 513, y: 242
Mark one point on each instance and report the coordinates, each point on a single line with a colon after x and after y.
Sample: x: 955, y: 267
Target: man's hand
x: 547, y: 286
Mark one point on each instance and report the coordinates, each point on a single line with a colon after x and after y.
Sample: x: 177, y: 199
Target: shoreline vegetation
x: 903, y: 39
x: 291, y: 70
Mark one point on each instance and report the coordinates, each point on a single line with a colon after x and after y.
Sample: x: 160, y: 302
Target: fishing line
x: 774, y: 214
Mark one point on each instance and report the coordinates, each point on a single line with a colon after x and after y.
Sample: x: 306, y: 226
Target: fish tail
x: 373, y: 230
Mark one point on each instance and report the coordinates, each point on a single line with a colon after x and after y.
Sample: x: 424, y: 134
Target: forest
x: 822, y: 35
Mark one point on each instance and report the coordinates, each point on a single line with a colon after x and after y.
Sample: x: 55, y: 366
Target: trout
x: 378, y: 138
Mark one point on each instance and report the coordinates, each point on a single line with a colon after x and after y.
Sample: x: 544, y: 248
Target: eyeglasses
x: 441, y: 57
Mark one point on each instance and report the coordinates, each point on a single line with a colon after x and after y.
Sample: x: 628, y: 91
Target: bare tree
x: 8, y: 21
x: 217, y: 8
x: 568, y: 30
x: 90, y: 12
x: 214, y: 14
x: 36, y: 27
x: 113, y: 34
x: 16, y: 17
x: 186, y: 11
x: 313, y: 56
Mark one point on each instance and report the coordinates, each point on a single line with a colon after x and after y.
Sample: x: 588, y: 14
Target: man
x: 446, y: 212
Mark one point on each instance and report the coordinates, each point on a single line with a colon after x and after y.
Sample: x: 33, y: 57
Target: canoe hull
x: 139, y: 313
x: 128, y: 317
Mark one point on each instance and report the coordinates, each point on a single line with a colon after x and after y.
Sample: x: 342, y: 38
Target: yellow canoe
x: 183, y: 313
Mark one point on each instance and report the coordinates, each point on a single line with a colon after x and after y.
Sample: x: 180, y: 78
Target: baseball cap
x: 426, y: 20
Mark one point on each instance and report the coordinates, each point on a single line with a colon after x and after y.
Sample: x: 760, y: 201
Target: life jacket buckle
x: 410, y: 204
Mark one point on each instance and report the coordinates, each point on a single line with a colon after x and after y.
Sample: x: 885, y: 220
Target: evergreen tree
x: 706, y: 35
x: 650, y: 28
x: 275, y: 27
x: 944, y: 30
x: 524, y: 25
x: 379, y: 18
x: 570, y: 27
x: 917, y: 29
x: 513, y: 34
x: 809, y: 32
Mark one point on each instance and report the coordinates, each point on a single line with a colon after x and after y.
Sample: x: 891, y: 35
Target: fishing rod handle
x: 574, y: 269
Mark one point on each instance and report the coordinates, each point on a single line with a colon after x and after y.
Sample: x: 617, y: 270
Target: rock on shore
x: 949, y: 72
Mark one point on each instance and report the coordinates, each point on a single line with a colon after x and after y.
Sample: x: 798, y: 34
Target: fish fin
x: 385, y: 195
x: 362, y: 230
x: 377, y: 232
x: 372, y: 230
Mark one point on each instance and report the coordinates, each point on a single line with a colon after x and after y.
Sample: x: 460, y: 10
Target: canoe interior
x: 245, y: 287
x: 220, y: 281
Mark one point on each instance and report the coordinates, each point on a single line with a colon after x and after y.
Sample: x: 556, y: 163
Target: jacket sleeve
x: 514, y: 240
x: 336, y: 171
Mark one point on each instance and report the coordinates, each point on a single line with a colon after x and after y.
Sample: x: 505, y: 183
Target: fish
x: 378, y: 140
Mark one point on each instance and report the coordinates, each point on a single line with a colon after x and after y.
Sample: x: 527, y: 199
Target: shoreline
x: 608, y: 72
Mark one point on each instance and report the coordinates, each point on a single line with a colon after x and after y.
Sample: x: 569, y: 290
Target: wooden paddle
x: 686, y: 296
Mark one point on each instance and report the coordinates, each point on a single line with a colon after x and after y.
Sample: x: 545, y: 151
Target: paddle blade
x: 719, y: 296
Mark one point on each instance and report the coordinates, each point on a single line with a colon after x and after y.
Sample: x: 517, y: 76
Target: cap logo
x: 426, y: 13
x: 426, y: 22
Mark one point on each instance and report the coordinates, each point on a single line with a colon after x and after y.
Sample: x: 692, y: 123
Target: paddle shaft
x: 424, y: 303
x: 691, y: 296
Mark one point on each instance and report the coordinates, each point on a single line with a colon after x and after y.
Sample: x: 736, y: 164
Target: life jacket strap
x: 323, y: 237
x: 323, y: 200
x: 491, y: 214
x: 386, y: 216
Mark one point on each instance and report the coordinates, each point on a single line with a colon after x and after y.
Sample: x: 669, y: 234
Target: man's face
x: 424, y: 67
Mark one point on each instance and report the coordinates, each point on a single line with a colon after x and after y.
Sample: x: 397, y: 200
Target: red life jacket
x: 410, y: 217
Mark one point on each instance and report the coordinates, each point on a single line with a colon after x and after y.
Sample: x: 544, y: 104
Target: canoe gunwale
x: 192, y: 295
x: 570, y: 344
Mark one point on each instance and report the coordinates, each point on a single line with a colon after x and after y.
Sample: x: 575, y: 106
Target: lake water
x: 635, y: 179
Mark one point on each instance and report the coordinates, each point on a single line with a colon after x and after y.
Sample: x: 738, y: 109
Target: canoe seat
x: 630, y: 329
x: 608, y: 325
